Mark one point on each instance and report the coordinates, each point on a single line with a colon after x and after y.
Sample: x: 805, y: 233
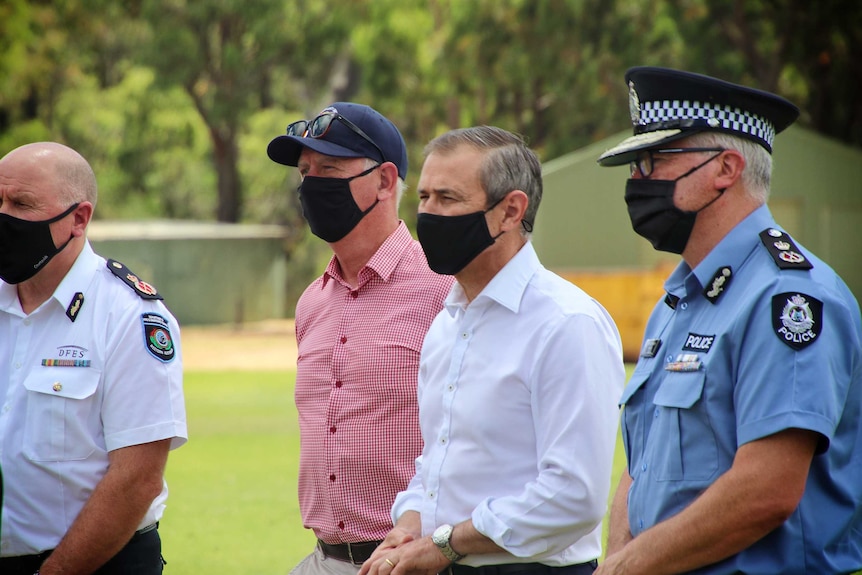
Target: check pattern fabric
x: 356, y: 388
x: 715, y: 116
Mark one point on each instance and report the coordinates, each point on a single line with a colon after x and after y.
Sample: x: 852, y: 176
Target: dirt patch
x: 266, y: 345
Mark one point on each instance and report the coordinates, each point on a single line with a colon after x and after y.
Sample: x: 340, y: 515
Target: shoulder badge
x: 157, y: 337
x: 783, y: 250
x: 797, y: 318
x: 142, y: 288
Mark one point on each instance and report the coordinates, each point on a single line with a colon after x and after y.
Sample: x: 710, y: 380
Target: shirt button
x: 341, y: 524
x: 27, y: 321
x: 354, y: 294
x: 343, y: 339
x: 465, y: 335
x: 669, y: 358
x: 430, y: 495
x: 332, y: 429
x: 643, y: 467
x: 443, y: 440
x: 338, y: 384
x: 641, y: 523
x: 332, y: 477
x: 683, y: 305
x: 656, y: 412
x: 451, y: 387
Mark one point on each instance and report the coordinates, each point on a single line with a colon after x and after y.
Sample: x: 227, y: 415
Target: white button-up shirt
x: 518, y: 409
x: 72, y: 391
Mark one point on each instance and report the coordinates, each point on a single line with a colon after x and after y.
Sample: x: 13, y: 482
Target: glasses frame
x: 645, y: 159
x: 306, y: 129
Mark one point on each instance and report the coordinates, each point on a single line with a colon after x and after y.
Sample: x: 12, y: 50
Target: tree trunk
x: 226, y: 160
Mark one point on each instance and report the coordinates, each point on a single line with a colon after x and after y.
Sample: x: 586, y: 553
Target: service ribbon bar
x: 66, y: 362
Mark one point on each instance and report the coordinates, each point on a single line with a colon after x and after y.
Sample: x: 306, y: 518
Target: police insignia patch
x: 797, y: 318
x: 157, y: 337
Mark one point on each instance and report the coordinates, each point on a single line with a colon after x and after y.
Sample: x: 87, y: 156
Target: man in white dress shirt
x: 519, y: 379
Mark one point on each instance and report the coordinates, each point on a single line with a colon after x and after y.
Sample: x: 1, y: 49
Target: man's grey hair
x: 369, y: 163
x: 757, y: 175
x: 508, y: 165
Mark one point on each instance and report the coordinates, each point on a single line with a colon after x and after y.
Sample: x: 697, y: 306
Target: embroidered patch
x: 650, y: 347
x: 157, y: 337
x: 75, y: 306
x: 797, y: 318
x: 684, y: 362
x: 697, y: 342
x: 720, y: 282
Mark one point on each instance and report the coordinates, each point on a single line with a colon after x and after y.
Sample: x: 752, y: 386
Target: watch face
x: 441, y: 535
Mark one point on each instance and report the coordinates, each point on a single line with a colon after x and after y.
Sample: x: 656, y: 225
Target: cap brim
x: 626, y: 151
x: 287, y: 149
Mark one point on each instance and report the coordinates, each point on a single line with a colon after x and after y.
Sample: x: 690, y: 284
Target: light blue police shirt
x: 741, y: 349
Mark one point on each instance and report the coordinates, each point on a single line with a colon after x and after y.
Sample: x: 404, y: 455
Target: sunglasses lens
x: 297, y: 128
x: 320, y: 125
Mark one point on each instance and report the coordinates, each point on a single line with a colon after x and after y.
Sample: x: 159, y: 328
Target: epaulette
x: 142, y: 288
x: 783, y: 250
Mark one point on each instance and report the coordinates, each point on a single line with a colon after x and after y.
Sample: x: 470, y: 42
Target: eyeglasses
x: 645, y: 161
x: 320, y: 125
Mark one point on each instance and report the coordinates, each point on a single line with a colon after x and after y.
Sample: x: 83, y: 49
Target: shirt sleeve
x: 785, y: 384
x: 143, y: 396
x: 411, y: 498
x: 575, y: 386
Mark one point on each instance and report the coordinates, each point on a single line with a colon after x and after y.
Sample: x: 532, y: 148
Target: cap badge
x: 634, y: 104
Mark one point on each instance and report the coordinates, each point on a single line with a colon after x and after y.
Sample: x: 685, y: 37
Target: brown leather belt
x: 355, y: 553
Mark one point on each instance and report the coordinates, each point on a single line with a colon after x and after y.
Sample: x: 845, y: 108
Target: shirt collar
x: 730, y: 252
x: 383, y: 262
x: 76, y: 280
x: 506, y: 287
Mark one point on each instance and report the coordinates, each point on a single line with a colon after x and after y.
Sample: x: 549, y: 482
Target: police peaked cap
x: 668, y: 105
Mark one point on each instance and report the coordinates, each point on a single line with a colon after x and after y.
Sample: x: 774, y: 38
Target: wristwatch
x: 441, y: 538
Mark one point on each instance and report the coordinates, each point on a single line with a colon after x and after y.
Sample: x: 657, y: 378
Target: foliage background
x: 174, y: 101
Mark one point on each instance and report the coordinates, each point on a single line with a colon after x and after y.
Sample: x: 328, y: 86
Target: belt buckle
x: 350, y: 554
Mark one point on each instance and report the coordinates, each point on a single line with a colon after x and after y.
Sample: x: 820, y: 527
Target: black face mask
x: 25, y: 246
x: 654, y: 215
x: 452, y: 242
x: 329, y: 207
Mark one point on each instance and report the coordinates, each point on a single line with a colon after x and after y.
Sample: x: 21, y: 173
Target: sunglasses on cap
x: 319, y: 126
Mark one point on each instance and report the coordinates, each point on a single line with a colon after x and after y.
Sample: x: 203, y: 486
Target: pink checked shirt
x: 356, y: 388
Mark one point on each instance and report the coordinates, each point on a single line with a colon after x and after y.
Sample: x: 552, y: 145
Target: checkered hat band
x: 667, y: 112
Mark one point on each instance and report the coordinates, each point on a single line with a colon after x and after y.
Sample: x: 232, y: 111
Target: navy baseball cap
x: 668, y: 105
x: 344, y: 130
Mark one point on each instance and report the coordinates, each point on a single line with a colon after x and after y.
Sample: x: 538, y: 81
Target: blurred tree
x: 234, y: 57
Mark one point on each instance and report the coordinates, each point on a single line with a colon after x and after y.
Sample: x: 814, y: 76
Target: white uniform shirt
x: 518, y: 408
x: 72, y: 391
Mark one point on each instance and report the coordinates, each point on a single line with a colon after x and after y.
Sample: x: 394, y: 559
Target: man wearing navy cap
x: 742, y: 420
x: 359, y: 330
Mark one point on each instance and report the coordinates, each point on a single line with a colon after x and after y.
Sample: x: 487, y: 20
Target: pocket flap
x: 67, y: 382
x: 635, y: 383
x: 680, y: 389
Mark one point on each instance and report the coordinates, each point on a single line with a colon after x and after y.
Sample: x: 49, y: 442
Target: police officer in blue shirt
x: 741, y: 423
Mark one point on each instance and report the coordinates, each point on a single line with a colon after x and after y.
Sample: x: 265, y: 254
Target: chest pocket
x: 62, y: 411
x: 682, y: 442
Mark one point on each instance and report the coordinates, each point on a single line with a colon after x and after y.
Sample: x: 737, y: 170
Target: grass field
x: 233, y: 504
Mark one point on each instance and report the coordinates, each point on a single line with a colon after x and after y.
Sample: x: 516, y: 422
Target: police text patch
x: 797, y: 318
x: 697, y: 342
x: 157, y: 337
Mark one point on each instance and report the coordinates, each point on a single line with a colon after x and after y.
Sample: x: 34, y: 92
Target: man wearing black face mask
x: 90, y: 381
x: 359, y: 330
x: 742, y: 419
x: 518, y: 383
